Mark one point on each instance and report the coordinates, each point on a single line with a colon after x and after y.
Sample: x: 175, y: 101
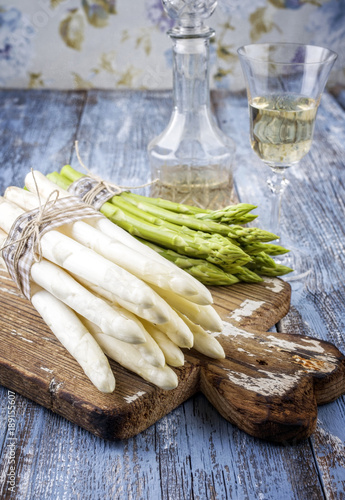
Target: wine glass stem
x: 277, y: 184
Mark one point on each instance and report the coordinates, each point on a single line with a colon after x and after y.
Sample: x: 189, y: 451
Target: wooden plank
x: 314, y: 203
x: 114, y: 132
x: 38, y: 130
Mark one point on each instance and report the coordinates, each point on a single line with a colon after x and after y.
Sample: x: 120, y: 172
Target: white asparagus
x: 131, y: 293
x: 204, y: 342
x: 73, y: 335
x: 111, y: 319
x: 173, y: 354
x: 205, y: 316
x: 44, y: 185
x: 81, y: 261
x: 115, y: 321
x: 137, y: 263
x: 181, y: 282
x: 129, y: 357
x: 175, y: 328
x: 150, y: 349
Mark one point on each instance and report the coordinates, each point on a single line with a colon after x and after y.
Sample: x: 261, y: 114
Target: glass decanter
x: 192, y: 158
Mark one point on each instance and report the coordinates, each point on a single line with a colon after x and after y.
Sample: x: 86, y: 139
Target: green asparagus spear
x: 233, y: 214
x: 204, y: 271
x: 244, y: 234
x: 257, y: 247
x: 59, y: 180
x: 264, y: 265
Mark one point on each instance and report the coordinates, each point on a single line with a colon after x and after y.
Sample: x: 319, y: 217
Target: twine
x: 111, y: 188
x: 44, y: 215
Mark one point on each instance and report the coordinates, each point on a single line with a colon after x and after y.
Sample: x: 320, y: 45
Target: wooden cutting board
x: 269, y: 385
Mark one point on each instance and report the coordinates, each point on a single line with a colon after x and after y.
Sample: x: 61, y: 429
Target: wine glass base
x: 298, y: 260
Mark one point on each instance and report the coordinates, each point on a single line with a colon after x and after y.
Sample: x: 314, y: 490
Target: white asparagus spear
x: 173, y: 354
x: 205, y: 316
x: 76, y: 339
x: 181, y: 282
x: 129, y: 357
x: 81, y: 261
x: 113, y: 320
x: 138, y: 263
x: 149, y: 349
x: 204, y: 342
x: 175, y: 328
x: 196, y: 291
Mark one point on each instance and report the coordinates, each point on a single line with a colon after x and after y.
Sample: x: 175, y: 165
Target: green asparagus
x: 210, y: 245
x: 204, y: 271
x: 160, y: 215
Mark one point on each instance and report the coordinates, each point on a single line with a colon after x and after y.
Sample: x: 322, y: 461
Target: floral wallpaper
x: 110, y: 44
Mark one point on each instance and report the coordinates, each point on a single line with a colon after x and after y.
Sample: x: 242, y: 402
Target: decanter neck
x: 191, y: 72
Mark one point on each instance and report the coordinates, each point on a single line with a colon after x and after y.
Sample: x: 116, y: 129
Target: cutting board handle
x: 270, y: 384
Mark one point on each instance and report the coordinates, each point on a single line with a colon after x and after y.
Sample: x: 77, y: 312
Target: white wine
x: 205, y: 187
x: 282, y: 127
x: 208, y: 196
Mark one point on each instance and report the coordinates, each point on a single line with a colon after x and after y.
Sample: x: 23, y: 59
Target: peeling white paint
x: 239, y: 349
x: 130, y: 399
x: 10, y: 291
x: 229, y: 330
x: 274, y: 284
x: 292, y: 346
x: 270, y: 384
x: 315, y: 345
x: 46, y: 369
x: 246, y: 309
x: 54, y: 386
x: 331, y: 441
x: 27, y: 340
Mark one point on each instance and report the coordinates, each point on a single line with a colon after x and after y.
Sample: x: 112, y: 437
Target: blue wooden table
x: 192, y: 453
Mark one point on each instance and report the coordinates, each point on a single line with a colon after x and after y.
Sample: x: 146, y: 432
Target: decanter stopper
x: 189, y: 13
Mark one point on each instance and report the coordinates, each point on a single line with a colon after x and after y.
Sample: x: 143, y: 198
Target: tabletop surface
x: 192, y: 453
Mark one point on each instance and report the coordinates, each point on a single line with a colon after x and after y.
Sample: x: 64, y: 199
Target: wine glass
x: 284, y: 84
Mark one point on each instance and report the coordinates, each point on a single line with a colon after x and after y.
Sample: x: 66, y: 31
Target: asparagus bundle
x: 209, y: 245
x: 103, y: 293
